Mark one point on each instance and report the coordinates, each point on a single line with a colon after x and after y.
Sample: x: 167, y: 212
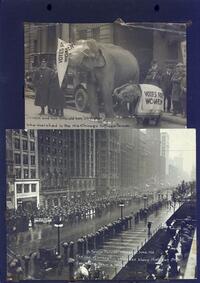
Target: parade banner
x: 152, y: 99
x: 62, y: 59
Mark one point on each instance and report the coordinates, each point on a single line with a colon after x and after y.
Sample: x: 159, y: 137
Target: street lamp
x: 58, y: 224
x: 121, y: 206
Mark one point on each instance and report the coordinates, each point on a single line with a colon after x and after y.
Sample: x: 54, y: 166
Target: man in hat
x: 176, y: 88
x: 41, y: 81
x: 154, y: 75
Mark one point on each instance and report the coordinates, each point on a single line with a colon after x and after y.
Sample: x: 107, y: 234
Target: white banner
x: 151, y: 101
x: 62, y: 58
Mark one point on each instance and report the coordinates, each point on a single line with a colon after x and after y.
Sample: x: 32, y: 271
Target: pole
x: 121, y: 212
x: 58, y: 240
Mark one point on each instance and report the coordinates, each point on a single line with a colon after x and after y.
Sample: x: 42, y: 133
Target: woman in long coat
x: 56, y: 95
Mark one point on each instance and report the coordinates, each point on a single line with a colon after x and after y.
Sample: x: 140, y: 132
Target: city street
x: 75, y: 119
x: 33, y: 239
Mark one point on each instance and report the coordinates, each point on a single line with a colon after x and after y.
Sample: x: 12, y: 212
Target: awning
x: 9, y: 205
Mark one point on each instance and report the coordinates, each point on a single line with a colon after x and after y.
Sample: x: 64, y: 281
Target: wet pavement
x: 45, y: 235
x: 116, y: 252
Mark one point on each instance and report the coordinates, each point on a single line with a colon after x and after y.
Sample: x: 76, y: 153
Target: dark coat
x: 153, y: 77
x: 166, y: 83
x: 176, y: 85
x: 41, y: 80
x: 56, y: 94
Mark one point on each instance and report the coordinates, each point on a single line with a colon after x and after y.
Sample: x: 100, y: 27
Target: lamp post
x: 121, y: 206
x: 58, y: 224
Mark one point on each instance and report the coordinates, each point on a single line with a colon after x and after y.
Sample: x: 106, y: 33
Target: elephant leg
x: 108, y: 100
x: 93, y: 99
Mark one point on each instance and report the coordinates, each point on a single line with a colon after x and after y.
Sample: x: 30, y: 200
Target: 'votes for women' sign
x: 151, y: 100
x: 62, y: 58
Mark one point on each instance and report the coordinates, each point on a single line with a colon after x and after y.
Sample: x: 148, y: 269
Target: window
x: 33, y: 188
x: 25, y: 159
x: 24, y: 133
x: 32, y: 146
x: 26, y: 188
x: 17, y: 143
x: 96, y: 33
x: 17, y: 158
x: 19, y: 188
x: 82, y: 34
x: 32, y: 134
x: 32, y: 160
x: 25, y: 145
x: 18, y: 173
x: 25, y: 173
x: 33, y: 174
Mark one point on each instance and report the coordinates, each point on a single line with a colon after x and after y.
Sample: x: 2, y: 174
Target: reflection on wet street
x: 45, y: 235
x: 117, y: 251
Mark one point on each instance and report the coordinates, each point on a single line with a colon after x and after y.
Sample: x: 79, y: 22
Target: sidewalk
x: 116, y: 252
x: 168, y: 117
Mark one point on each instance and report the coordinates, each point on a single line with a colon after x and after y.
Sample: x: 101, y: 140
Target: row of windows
x: 25, y: 188
x: 25, y: 133
x: 53, y: 150
x: 24, y: 144
x: 25, y: 159
x: 26, y: 174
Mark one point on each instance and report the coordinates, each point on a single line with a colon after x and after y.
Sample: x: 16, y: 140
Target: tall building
x: 164, y: 152
x: 22, y: 170
x: 153, y: 141
x: 66, y: 164
x: 128, y: 158
x: 107, y: 160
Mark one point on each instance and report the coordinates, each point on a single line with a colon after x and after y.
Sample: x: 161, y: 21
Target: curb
x: 176, y: 120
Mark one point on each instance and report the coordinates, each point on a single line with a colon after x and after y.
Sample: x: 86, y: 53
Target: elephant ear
x: 96, y: 54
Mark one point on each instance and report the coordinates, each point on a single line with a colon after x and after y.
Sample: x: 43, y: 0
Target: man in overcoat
x: 176, y: 88
x: 41, y: 81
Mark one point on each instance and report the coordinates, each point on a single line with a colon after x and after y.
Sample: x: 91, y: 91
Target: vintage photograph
x: 93, y: 204
x: 105, y: 75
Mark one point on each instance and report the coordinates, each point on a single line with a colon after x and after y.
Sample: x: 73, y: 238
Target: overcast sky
x: 182, y: 142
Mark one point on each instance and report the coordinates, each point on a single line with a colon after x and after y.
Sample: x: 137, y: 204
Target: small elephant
x: 107, y: 66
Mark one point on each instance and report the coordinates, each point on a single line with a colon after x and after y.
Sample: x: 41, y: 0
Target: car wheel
x: 81, y: 99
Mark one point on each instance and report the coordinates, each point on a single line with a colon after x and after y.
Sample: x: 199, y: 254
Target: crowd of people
x: 172, y: 81
x: 74, y: 254
x: 72, y: 210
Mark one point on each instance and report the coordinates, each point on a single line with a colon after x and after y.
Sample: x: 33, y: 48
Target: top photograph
x: 105, y: 75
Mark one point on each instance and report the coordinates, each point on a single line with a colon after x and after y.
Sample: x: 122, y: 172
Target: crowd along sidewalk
x: 116, y: 252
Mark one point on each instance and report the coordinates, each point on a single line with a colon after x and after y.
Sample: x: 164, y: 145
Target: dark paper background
x: 14, y: 12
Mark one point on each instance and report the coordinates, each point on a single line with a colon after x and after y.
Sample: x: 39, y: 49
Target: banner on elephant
x: 62, y: 59
x: 152, y: 99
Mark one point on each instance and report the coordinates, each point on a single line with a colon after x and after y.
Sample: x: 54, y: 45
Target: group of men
x: 173, y: 83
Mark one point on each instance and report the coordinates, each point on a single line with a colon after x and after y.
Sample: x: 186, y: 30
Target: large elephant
x: 108, y: 66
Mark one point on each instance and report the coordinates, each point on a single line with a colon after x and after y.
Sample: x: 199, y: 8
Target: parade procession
x: 101, y: 214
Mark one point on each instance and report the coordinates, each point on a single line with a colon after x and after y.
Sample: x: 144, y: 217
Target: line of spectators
x: 173, y: 83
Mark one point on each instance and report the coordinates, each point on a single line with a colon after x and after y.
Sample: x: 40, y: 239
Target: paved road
x: 74, y: 119
x: 45, y: 235
x: 116, y: 252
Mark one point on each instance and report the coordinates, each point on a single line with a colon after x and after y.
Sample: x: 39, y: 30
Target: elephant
x: 108, y: 66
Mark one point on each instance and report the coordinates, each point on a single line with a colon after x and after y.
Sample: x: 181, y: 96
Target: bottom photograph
x: 101, y: 204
